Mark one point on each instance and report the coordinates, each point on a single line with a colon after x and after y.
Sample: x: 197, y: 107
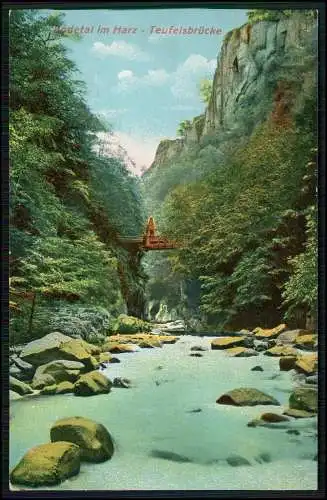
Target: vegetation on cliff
x: 243, y: 204
x: 67, y: 203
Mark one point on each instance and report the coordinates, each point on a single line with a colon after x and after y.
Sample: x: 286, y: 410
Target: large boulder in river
x: 307, y: 364
x: 19, y: 386
x: 227, y: 342
x: 60, y: 370
x: 241, y: 352
x: 304, y: 398
x: 246, y: 397
x: 306, y: 342
x: 265, y: 334
x: 281, y: 351
x: 42, y: 381
x: 47, y: 464
x: 287, y: 363
x: 93, y: 439
x: 56, y: 346
x: 288, y: 336
x: 117, y: 348
x: 91, y: 384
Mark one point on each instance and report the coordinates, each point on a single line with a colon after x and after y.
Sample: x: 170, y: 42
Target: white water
x: 154, y: 416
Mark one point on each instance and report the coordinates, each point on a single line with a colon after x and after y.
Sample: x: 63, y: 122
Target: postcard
x: 163, y: 287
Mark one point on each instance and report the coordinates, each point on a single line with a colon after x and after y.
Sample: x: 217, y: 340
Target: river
x: 157, y: 415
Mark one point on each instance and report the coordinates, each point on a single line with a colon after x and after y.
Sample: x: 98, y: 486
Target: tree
x: 205, y: 90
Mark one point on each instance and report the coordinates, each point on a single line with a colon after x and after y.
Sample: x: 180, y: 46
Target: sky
x: 144, y: 82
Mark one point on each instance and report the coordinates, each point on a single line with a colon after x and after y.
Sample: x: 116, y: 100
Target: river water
x: 156, y: 416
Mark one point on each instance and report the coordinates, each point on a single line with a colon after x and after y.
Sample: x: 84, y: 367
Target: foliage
x: 67, y: 204
x: 205, y: 90
x: 183, y: 127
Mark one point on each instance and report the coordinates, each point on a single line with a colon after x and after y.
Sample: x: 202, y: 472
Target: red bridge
x: 150, y: 240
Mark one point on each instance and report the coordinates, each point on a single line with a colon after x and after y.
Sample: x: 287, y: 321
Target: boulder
x: 19, y: 386
x: 47, y: 464
x: 149, y: 344
x: 19, y: 374
x: 172, y: 327
x: 307, y: 364
x: 304, y: 398
x: 122, y: 382
x: 60, y: 370
x: 41, y: 351
x: 263, y: 458
x: 257, y: 369
x: 91, y: 384
x: 246, y: 397
x: 245, y: 332
x: 306, y: 342
x: 130, y: 324
x: 241, y: 352
x: 196, y: 355
x: 24, y: 366
x: 56, y: 346
x: 227, y: 342
x: 93, y: 439
x: 114, y: 360
x: 288, y: 337
x: 265, y: 334
x: 65, y: 387
x: 49, y: 390
x: 281, y: 351
x: 105, y: 357
x: 43, y: 381
x: 116, y: 348
x: 292, y: 412
x: 237, y: 460
x: 167, y: 339
x: 287, y: 363
x: 268, y: 418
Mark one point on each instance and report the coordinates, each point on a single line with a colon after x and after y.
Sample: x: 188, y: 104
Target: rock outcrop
x: 91, y: 384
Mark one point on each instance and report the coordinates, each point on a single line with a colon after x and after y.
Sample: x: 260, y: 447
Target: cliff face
x: 247, y: 58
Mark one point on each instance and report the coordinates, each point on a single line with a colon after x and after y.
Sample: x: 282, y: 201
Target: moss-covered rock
x: 261, y: 333
x: 42, y: 381
x: 246, y: 397
x: 241, y: 352
x: 114, y: 347
x: 49, y: 390
x: 47, y: 464
x: 19, y: 386
x: 227, y: 342
x: 268, y: 418
x: 104, y: 357
x: 288, y: 336
x: 145, y: 344
x: 65, y: 387
x: 304, y: 398
x: 60, y: 370
x: 91, y: 384
x: 307, y: 342
x: 292, y: 412
x: 307, y: 364
x: 56, y: 346
x: 282, y: 350
x: 130, y: 324
x: 93, y: 439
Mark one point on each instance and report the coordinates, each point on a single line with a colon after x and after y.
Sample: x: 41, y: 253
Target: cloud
x: 188, y: 74
x: 183, y: 81
x: 153, y: 78
x: 120, y: 49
